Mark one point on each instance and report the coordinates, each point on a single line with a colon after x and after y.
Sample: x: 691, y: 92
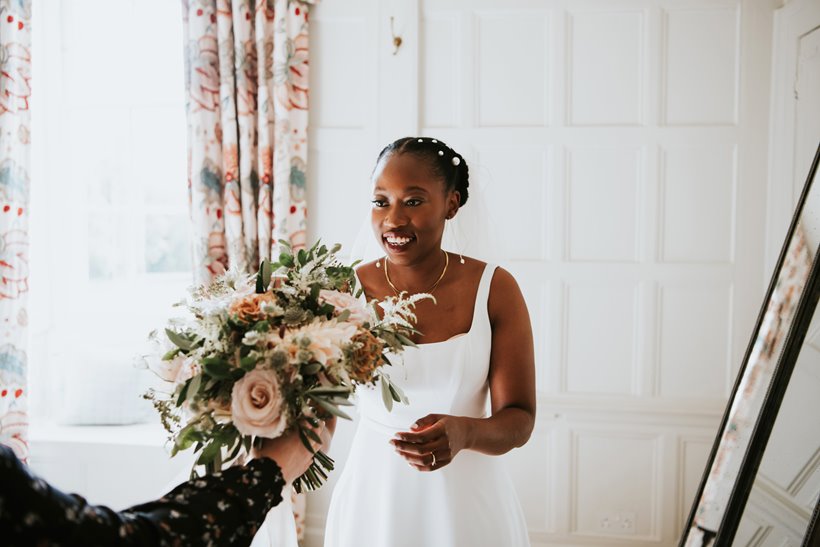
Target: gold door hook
x: 396, y: 39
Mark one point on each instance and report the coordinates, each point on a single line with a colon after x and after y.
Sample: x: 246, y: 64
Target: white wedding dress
x: 279, y: 528
x: 380, y: 501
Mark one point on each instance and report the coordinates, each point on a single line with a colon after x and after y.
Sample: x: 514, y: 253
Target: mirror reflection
x: 794, y: 439
x: 786, y: 487
x: 787, y: 484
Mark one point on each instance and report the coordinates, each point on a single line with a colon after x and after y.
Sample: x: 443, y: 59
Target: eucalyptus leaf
x: 304, y: 438
x: 248, y: 363
x: 313, y: 436
x: 170, y: 354
x: 210, y: 452
x: 405, y: 340
x: 387, y: 397
x: 329, y: 390
x: 217, y: 368
x: 179, y: 340
x: 329, y: 407
x: 311, y: 368
x: 183, y: 393
x: 265, y: 273
x: 193, y: 388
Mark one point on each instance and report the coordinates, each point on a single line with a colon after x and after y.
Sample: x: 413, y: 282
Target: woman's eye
x: 379, y: 203
x: 413, y: 202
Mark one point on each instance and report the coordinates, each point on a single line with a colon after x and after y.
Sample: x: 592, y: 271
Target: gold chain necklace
x: 431, y: 289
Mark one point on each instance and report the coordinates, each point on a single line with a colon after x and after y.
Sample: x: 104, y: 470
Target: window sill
x: 151, y: 434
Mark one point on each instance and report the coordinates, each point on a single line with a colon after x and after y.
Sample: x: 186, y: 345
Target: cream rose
x: 345, y: 301
x: 326, y: 339
x: 257, y: 405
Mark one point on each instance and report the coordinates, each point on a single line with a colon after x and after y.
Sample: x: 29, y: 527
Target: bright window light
x: 110, y: 230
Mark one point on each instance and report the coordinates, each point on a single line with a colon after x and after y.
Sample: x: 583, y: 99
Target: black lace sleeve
x: 223, y: 509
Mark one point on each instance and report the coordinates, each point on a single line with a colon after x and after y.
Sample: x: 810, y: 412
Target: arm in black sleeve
x: 221, y: 509
x: 216, y: 510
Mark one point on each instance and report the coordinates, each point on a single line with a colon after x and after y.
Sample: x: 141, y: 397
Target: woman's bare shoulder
x: 505, y: 295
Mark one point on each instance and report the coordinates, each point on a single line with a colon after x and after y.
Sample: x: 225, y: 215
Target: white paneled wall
x: 621, y: 148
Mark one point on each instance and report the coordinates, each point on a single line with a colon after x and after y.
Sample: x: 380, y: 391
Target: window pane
x: 159, y: 155
x: 106, y: 259
x: 167, y: 244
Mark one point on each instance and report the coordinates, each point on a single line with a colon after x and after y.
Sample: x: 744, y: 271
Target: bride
x: 423, y: 474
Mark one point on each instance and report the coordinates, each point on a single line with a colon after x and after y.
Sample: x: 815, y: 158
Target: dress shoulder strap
x: 482, y: 298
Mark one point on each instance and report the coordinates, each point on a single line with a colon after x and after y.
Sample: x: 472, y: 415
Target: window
x: 110, y: 228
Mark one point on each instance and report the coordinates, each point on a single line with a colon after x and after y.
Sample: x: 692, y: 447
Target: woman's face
x: 410, y: 206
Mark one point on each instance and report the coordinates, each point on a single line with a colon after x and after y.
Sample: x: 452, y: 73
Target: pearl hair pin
x: 441, y: 152
x: 456, y: 160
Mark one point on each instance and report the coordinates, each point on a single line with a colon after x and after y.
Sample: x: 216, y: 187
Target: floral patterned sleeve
x: 223, y: 509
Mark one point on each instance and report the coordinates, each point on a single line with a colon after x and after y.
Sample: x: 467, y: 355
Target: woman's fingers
x: 421, y: 455
x: 427, y: 463
x: 416, y: 449
x: 422, y: 436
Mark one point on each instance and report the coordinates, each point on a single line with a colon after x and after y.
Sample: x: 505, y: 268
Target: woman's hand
x: 433, y: 441
x: 290, y: 453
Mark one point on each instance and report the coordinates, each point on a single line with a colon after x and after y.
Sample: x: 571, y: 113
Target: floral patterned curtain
x: 247, y: 99
x: 246, y: 76
x: 15, y: 148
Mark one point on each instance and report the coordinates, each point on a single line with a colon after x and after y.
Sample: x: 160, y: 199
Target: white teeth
x: 392, y: 240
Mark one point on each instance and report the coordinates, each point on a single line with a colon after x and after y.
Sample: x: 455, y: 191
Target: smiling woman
x: 470, y: 381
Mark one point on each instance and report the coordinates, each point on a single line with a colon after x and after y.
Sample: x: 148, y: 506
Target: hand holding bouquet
x: 260, y: 355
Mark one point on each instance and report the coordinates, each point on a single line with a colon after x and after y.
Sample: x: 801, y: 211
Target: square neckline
x: 460, y: 335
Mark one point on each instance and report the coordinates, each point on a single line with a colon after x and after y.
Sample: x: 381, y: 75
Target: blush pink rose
x: 257, y: 405
x: 345, y: 301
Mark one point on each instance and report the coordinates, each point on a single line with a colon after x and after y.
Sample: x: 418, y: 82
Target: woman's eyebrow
x: 408, y: 189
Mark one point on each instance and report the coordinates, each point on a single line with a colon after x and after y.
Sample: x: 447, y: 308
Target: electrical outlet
x: 617, y: 522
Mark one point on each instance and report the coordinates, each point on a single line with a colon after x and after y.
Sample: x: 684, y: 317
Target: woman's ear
x: 455, y: 200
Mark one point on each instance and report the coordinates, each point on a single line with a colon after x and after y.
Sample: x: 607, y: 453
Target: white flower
x: 345, y: 301
x: 252, y: 337
x: 238, y: 279
x: 257, y: 404
x: 398, y: 310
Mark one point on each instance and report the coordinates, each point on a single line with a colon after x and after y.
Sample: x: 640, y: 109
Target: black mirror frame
x: 774, y: 394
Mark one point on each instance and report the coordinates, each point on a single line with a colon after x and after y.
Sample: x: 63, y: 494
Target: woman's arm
x: 222, y: 509
x: 512, y: 391
x: 512, y: 373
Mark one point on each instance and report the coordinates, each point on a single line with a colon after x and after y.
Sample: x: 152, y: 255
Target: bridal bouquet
x: 258, y: 355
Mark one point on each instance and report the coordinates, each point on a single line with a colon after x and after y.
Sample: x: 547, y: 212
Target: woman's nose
x: 395, y: 218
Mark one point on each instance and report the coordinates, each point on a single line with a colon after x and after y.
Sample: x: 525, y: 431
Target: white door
x: 620, y: 145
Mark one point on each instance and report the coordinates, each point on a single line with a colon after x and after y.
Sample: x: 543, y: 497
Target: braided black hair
x: 445, y: 162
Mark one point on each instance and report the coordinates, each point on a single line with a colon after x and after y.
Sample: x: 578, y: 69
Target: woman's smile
x: 397, y: 241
